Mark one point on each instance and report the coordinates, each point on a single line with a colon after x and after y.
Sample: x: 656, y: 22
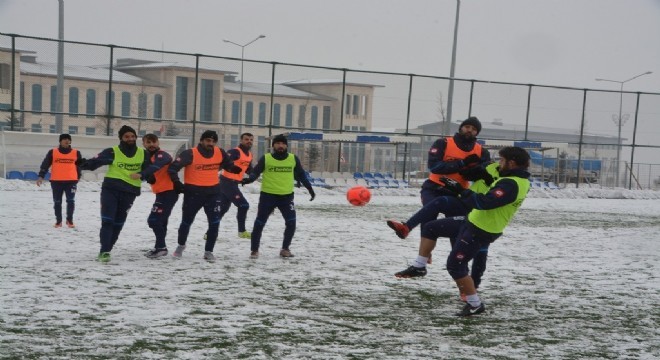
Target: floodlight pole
x: 240, y: 110
x: 620, y: 121
x: 450, y: 94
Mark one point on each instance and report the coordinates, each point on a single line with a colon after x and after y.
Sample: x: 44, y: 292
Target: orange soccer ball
x: 358, y: 196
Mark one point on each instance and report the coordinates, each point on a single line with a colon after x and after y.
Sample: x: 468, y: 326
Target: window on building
x: 5, y: 77
x: 21, y: 104
x: 261, y: 145
x: 36, y: 98
x: 142, y: 133
x: 73, y: 130
x: 90, y: 130
x: 314, y: 121
x: 36, y: 128
x: 288, y: 120
x: 125, y: 103
x: 110, y: 102
x: 249, y: 112
x: 302, y: 110
x: 347, y: 105
x: 142, y: 105
x: 276, y: 114
x: 233, y: 141
x: 206, y: 101
x: 262, y: 113
x: 363, y: 108
x: 326, y: 118
x: 53, y: 98
x: 73, y: 101
x: 52, y: 129
x: 90, y: 104
x: 356, y: 105
x: 158, y: 106
x: 181, y: 98
x: 235, y: 107
x: 223, y: 111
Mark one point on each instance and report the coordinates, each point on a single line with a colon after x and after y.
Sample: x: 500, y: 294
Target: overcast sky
x: 553, y: 42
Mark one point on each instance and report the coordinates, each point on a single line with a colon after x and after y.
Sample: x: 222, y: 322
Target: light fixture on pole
x: 240, y: 110
x: 450, y: 94
x: 620, y: 119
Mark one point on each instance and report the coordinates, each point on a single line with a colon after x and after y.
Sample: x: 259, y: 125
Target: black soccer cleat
x: 469, y: 310
x: 411, y: 272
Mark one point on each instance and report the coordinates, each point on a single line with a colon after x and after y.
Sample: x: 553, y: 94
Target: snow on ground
x: 576, y: 276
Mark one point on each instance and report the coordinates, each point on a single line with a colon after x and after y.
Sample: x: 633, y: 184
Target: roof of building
x: 279, y: 90
x: 81, y: 72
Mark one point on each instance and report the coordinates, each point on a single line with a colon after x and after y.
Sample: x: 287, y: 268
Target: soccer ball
x: 358, y: 196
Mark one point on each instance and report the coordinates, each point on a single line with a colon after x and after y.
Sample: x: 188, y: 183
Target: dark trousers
x: 115, y: 205
x: 160, y: 214
x: 267, y: 204
x: 192, y: 203
x: 230, y: 194
x: 64, y: 188
x: 448, y: 205
x: 467, y: 242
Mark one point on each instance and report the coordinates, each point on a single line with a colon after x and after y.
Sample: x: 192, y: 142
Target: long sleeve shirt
x: 48, y: 161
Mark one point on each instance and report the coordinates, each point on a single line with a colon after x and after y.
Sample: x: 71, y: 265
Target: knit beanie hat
x: 124, y: 129
x: 209, y: 134
x: 65, y: 136
x: 279, y: 138
x: 472, y: 120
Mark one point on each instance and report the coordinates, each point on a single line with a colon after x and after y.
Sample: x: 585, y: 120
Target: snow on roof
x: 78, y: 71
x: 265, y: 89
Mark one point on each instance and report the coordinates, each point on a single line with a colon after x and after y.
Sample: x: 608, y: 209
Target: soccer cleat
x: 469, y: 310
x: 179, y: 251
x: 208, y: 256
x: 400, y: 229
x: 245, y: 235
x: 156, y: 253
x: 411, y: 272
x: 103, y: 257
x: 285, y: 253
x: 57, y: 225
x: 69, y: 224
x: 254, y: 255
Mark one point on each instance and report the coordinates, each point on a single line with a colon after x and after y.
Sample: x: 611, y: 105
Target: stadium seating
x: 31, y: 176
x: 358, y: 175
x: 14, y: 175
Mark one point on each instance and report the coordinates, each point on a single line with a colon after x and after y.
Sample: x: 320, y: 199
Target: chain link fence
x: 576, y: 136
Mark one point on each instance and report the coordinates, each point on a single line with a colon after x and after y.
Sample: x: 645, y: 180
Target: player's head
x: 513, y: 157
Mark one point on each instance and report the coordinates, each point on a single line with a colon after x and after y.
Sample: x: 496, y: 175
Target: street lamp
x: 450, y: 95
x: 620, y: 120
x: 240, y: 110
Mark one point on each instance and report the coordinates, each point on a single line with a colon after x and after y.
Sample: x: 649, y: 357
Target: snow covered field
x: 576, y: 276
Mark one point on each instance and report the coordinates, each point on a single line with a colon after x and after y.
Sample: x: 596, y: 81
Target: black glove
x: 312, y: 194
x: 471, y: 160
x: 452, y: 185
x: 476, y: 173
x: 178, y: 187
x: 234, y: 169
x: 151, y: 179
x: 246, y: 181
x: 81, y: 162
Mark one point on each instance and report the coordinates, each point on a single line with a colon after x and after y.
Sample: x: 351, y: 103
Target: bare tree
x: 442, y: 115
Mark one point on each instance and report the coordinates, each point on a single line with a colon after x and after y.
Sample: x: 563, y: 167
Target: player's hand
x: 136, y: 176
x: 246, y: 181
x: 179, y: 187
x: 81, y: 162
x: 39, y: 181
x: 471, y: 160
x: 452, y: 185
x: 151, y: 179
x: 234, y: 169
